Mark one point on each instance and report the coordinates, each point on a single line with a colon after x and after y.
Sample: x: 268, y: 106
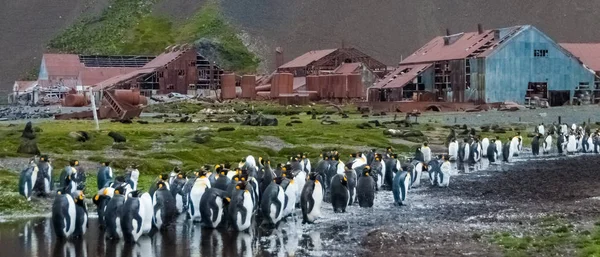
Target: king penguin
x: 164, y: 207
x: 272, y: 204
x: 466, y: 151
x: 365, y: 188
x: 492, y: 151
x: 443, y: 175
x: 213, y: 206
x: 199, y: 187
x: 514, y: 146
x: 571, y: 144
x: 378, y: 171
x: 433, y: 168
x: 300, y: 181
x: 268, y: 176
x: 133, y: 217
x: 499, y: 147
x: 506, y: 151
x: 27, y: 180
x: 290, y: 188
x: 352, y: 180
x: 340, y: 195
x: 104, y: 175
x: 402, y: 181
x: 547, y: 144
x: 418, y: 168
x: 391, y: 167
x: 81, y: 214
x: 64, y: 214
x: 485, y: 143
x: 113, y: 214
x: 222, y: 180
x: 453, y: 149
x: 177, y: 190
x: 311, y: 199
x: 101, y: 201
x: 240, y: 209
x: 43, y: 184
x: 535, y: 145
x: 426, y: 152
x: 133, y: 176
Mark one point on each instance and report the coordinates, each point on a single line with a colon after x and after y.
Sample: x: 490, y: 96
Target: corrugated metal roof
x: 62, y: 64
x: 121, y: 78
x: 92, y: 76
x: 348, y: 68
x: 164, y: 59
x: 307, y: 58
x: 398, y: 79
x: 587, y: 53
x: 24, y: 86
x: 461, y: 46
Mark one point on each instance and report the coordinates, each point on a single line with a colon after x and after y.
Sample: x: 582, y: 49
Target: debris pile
x: 24, y: 112
x: 260, y: 120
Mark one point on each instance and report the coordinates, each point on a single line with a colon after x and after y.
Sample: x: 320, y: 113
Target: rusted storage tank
x: 249, y: 86
x: 324, y: 86
x: 282, y: 83
x: 131, y: 97
x: 228, y: 86
x: 76, y: 100
x: 312, y: 84
x: 275, y: 85
x: 340, y: 89
x: 355, y: 86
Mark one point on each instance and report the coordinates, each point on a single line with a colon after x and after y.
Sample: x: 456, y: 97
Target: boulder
x: 118, y: 138
x: 201, y: 138
x: 225, y: 129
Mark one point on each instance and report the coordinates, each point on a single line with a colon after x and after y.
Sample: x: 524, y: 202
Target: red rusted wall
x: 325, y: 86
x: 248, y: 86
x: 282, y: 83
x: 339, y: 84
x: 75, y: 100
x: 131, y: 97
x: 228, y: 86
x: 171, y: 74
x: 355, y: 86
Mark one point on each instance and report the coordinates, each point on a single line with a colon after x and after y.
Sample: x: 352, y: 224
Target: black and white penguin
x: 535, y: 145
x: 416, y: 173
x: 272, y: 204
x: 68, y: 171
x: 392, y: 165
x: 547, y: 144
x: 104, y: 175
x: 113, y: 214
x: 101, y: 200
x: 561, y: 144
x: 352, y: 181
x: 419, y: 156
x: 290, y: 188
x: 213, y: 208
x: 133, y: 176
x: 499, y: 147
x: 433, y: 168
x: 311, y: 199
x: 177, y: 190
x: 43, y: 184
x: 402, y: 181
x: 27, y: 180
x: 267, y: 179
x: 587, y: 143
x: 200, y: 185
x: 492, y: 151
x: 506, y: 151
x: 79, y: 176
x: 475, y: 153
x: 540, y: 129
x: 136, y: 219
x: 426, y: 152
x: 340, y: 195
x: 154, y: 187
x: 222, y: 180
x: 240, y: 209
x: 443, y: 174
x: 64, y: 215
x: 515, y: 143
x: 164, y: 207
x: 453, y: 149
x: 465, y: 150
x: 300, y: 181
x: 378, y: 171
x: 571, y: 144
x: 365, y: 188
x: 485, y: 143
x: 81, y: 214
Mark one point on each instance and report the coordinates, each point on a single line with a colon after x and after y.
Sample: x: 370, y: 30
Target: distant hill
x: 386, y: 29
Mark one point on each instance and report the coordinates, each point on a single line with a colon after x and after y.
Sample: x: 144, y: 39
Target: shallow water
x: 332, y: 235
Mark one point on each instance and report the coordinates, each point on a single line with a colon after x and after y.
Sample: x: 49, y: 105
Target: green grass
x: 11, y: 202
x: 551, y: 236
x: 129, y: 27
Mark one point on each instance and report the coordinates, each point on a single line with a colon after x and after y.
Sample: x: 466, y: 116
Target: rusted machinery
x: 119, y: 104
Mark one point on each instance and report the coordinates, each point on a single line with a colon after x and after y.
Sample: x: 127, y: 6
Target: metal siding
x: 510, y: 68
x: 427, y: 78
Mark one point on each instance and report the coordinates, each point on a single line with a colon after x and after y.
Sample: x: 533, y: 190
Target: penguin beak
x: 96, y: 197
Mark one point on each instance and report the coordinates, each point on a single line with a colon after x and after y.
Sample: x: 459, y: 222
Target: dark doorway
x: 537, y: 89
x: 559, y: 97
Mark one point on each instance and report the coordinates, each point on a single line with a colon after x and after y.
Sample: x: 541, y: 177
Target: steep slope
x: 27, y: 25
x: 386, y: 29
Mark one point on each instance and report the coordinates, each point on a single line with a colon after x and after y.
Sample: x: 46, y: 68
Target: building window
x: 192, y: 63
x: 540, y: 53
x: 170, y: 86
x: 180, y: 72
x: 160, y: 74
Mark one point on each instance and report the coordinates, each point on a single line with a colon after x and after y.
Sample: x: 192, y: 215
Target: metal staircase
x: 114, y: 104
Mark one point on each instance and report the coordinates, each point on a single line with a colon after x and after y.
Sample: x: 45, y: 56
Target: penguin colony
x: 253, y: 191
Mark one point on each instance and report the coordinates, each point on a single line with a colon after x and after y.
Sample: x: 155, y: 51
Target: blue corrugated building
x: 487, y: 66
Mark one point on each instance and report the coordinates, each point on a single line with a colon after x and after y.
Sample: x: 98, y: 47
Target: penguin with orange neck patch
x: 365, y: 188
x: 213, y: 208
x: 290, y: 188
x: 272, y: 204
x: 311, y: 198
x: 340, y: 195
x: 241, y: 207
x: 222, y: 180
x: 165, y: 208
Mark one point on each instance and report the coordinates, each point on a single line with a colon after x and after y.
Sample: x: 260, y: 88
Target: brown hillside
x: 386, y: 29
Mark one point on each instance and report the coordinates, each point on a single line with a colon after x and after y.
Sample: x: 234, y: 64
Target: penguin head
x: 181, y: 175
x: 120, y: 179
x: 226, y: 201
x: 78, y: 197
x: 394, y: 156
x: 312, y: 176
x: 353, y: 155
x: 119, y: 190
x: 44, y: 158
x: 164, y: 176
x: 95, y: 199
x: 201, y: 173
x: 344, y: 180
x: 106, y: 163
x: 367, y: 171
x: 74, y: 163
x: 240, y: 186
x: 135, y: 193
x: 243, y: 177
x: 160, y: 185
x: 278, y: 180
x: 389, y: 149
x: 260, y: 160
x: 304, y: 155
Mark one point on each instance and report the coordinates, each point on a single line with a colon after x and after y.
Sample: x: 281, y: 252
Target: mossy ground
x: 11, y: 202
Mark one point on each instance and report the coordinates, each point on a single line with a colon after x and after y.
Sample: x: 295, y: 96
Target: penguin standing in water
x: 535, y: 145
x: 475, y: 154
x: 366, y: 188
x: 311, y: 199
x: 104, y: 175
x: 340, y: 195
x: 154, y: 187
x: 267, y: 178
x: 499, y: 147
x: 240, y: 209
x: 27, y: 180
x: 272, y: 204
x: 419, y: 156
x: 506, y: 151
x: 402, y: 181
x: 213, y: 208
x: 392, y: 165
x: 69, y: 171
x: 485, y: 143
x: 378, y: 171
x: 177, y: 190
x: 134, y: 216
x: 352, y: 179
x: 514, y: 146
x: 300, y: 181
x: 306, y: 167
x: 433, y: 168
x: 492, y: 151
x: 43, y: 184
x: 81, y: 214
x: 101, y: 201
x: 199, y: 187
x: 561, y: 144
x: 547, y: 144
x: 587, y: 143
x: 453, y: 149
x: 64, y: 215
x: 464, y: 151
x: 113, y: 214
x: 571, y: 144
x: 222, y: 180
x: 426, y: 152
x: 290, y: 189
x: 164, y: 207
